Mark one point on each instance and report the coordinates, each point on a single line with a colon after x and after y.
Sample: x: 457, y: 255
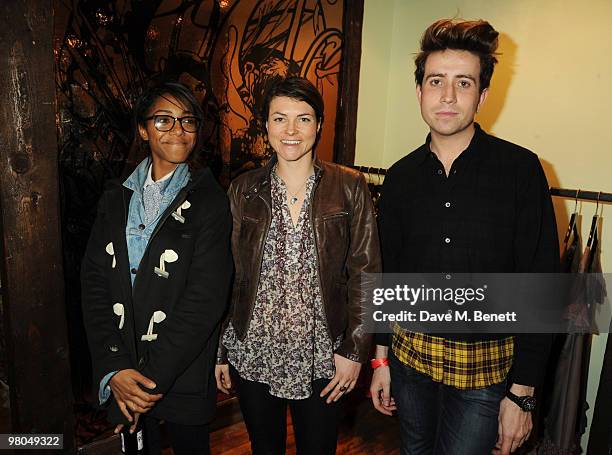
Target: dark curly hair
x: 477, y: 37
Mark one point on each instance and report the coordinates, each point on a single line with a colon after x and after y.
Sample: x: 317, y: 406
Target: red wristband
x: 382, y: 362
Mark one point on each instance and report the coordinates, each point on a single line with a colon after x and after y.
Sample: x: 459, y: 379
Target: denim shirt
x: 137, y: 232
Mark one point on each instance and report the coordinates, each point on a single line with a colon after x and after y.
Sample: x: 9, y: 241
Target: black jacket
x: 193, y: 299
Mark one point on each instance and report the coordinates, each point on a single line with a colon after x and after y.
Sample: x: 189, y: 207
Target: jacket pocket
x: 332, y: 216
x: 195, y: 379
x: 333, y: 240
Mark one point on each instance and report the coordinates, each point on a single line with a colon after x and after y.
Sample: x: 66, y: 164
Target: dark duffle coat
x: 178, y: 354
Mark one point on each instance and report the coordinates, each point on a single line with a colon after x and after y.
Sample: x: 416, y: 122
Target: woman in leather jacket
x: 304, y: 233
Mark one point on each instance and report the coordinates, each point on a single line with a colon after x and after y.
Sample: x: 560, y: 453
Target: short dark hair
x: 477, y: 37
x: 178, y: 91
x: 297, y: 88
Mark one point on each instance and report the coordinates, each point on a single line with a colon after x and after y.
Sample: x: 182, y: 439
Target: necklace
x: 293, y: 199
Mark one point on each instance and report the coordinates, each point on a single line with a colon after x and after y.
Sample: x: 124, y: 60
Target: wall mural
x: 227, y: 51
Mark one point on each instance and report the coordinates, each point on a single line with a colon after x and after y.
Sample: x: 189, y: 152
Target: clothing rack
x: 370, y: 170
x: 580, y: 194
x: 560, y: 192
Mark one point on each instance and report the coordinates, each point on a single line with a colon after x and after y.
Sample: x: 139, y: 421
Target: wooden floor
x: 363, y: 431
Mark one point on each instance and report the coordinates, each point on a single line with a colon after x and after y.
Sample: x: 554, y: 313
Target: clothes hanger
x: 368, y: 175
x: 593, y: 231
x: 572, y: 223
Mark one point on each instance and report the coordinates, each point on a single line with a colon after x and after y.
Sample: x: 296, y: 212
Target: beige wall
x: 551, y: 92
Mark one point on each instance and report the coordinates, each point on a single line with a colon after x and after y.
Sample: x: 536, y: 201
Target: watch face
x: 528, y: 404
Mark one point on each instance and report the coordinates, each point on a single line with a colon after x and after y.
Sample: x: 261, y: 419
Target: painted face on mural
x: 292, y: 128
x: 169, y: 148
x: 449, y: 95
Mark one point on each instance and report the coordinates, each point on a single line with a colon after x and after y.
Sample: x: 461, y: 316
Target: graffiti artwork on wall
x: 262, y: 43
x: 226, y: 51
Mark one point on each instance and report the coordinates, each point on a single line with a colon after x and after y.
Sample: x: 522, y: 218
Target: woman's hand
x: 344, y: 380
x: 222, y: 376
x: 380, y: 389
x: 129, y: 395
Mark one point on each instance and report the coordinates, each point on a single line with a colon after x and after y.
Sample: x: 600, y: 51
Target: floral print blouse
x: 287, y: 345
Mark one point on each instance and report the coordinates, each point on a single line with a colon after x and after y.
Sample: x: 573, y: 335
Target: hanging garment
x: 375, y: 192
x: 570, y: 253
x: 566, y: 418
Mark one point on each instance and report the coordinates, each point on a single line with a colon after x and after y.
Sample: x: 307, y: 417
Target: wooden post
x: 34, y: 308
x: 346, y: 117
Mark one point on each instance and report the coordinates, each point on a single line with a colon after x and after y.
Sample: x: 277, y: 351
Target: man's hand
x: 129, y: 395
x: 344, y: 380
x: 222, y: 376
x: 380, y: 389
x: 514, y: 424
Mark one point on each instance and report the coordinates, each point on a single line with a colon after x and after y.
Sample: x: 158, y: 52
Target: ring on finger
x: 343, y: 388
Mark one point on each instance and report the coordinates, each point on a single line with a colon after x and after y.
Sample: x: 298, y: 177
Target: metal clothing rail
x: 580, y: 194
x: 370, y: 170
x: 560, y: 192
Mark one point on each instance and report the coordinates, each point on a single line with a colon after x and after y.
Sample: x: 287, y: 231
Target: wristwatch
x: 526, y: 403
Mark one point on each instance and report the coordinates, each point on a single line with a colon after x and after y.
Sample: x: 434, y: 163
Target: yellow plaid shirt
x: 461, y: 364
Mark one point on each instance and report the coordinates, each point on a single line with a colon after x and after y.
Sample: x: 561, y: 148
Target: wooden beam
x: 346, y: 117
x: 34, y: 308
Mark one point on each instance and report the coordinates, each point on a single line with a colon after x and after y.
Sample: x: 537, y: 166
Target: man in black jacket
x: 464, y: 202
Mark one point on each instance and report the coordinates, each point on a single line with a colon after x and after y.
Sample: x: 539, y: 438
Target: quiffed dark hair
x: 477, y: 37
x: 183, y: 95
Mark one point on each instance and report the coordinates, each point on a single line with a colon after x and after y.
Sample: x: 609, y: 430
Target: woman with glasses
x: 304, y: 234
x: 155, y: 280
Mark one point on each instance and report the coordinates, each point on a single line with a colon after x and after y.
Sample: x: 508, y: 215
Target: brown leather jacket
x: 346, y: 239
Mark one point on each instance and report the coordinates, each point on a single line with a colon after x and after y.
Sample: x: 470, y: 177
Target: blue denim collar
x: 171, y: 186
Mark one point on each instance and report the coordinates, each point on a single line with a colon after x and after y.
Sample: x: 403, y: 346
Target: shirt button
x: 447, y: 205
x: 439, y: 171
x: 134, y: 270
x: 447, y: 240
x: 141, y: 226
x: 455, y: 171
x: 141, y: 362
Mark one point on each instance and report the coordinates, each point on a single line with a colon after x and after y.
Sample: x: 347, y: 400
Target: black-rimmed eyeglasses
x: 165, y: 123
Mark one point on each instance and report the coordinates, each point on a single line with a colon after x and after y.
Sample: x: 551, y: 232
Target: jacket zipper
x: 316, y: 242
x: 335, y: 215
x: 314, y: 319
x: 258, y: 274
